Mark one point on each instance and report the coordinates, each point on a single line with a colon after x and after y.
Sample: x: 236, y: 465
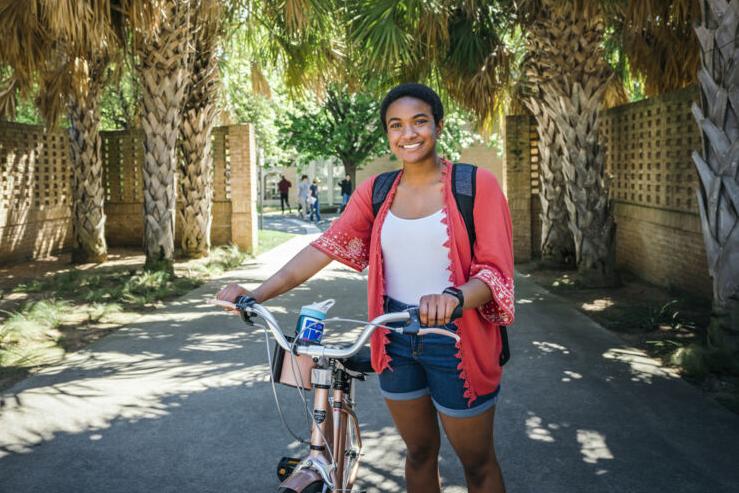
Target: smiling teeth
x: 411, y: 146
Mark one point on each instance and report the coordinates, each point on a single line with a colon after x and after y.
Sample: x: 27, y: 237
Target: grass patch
x: 28, y: 337
x: 68, y: 310
x: 71, y: 306
x: 269, y: 239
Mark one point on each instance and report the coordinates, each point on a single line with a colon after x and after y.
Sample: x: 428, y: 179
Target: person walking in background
x: 284, y: 187
x: 346, y: 191
x: 315, y: 204
x: 303, y: 191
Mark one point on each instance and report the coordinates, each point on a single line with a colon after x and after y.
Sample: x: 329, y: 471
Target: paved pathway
x: 180, y: 401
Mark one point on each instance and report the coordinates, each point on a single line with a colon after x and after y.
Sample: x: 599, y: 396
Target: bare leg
x: 418, y: 427
x: 472, y: 440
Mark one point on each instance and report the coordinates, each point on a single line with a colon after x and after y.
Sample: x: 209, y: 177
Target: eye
x: 421, y: 121
x: 395, y: 125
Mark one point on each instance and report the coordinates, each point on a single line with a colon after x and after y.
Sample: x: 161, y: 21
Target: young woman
x: 416, y: 247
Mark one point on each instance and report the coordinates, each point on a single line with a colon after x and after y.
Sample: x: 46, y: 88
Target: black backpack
x: 464, y: 185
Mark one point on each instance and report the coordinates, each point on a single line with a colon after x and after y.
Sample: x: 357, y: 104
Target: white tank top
x: 414, y: 257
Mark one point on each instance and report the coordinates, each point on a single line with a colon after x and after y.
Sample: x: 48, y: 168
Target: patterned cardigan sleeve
x: 492, y: 259
x: 348, y: 238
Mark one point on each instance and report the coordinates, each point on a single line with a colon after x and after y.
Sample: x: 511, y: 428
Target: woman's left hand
x: 436, y: 309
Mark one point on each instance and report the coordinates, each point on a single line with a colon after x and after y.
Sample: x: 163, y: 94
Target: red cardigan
x: 354, y: 240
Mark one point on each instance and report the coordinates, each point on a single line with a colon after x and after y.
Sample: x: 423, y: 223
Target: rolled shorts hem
x: 470, y: 412
x: 405, y: 396
x: 446, y: 411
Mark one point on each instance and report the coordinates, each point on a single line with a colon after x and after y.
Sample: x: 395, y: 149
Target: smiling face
x: 411, y: 130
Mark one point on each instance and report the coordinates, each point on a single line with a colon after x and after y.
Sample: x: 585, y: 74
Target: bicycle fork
x: 317, y: 465
x: 330, y: 421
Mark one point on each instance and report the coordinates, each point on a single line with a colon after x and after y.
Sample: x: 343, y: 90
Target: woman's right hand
x: 230, y: 292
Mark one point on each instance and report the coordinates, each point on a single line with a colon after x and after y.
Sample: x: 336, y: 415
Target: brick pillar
x: 518, y: 183
x: 242, y: 150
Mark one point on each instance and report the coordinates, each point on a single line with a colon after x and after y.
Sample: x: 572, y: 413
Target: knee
x: 422, y: 454
x: 477, y: 467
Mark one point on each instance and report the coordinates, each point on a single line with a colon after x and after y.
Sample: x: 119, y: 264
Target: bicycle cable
x: 301, y: 392
x: 298, y: 377
x: 274, y: 388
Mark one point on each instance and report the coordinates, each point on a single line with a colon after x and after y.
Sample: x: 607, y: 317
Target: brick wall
x: 647, y: 149
x: 518, y: 165
x: 35, y: 178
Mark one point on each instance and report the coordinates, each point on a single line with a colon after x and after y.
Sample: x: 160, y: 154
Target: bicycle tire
x: 316, y: 487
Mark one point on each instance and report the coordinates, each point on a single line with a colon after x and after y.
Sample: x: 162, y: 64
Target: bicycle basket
x: 289, y: 369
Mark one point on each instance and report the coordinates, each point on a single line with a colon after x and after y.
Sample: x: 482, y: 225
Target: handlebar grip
x: 416, y: 321
x: 243, y: 303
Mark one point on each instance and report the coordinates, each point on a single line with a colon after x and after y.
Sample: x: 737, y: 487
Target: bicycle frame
x: 331, y: 417
x: 333, y: 403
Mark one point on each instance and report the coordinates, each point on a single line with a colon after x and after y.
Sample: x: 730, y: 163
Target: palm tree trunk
x: 572, y: 98
x: 557, y: 247
x: 196, y: 185
x: 88, y: 214
x: 718, y: 192
x: 196, y: 166
x: 164, y: 75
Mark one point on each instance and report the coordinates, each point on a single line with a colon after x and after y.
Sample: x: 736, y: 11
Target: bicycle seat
x: 360, y: 362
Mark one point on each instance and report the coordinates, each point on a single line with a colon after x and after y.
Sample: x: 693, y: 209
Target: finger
x: 449, y: 309
x: 223, y: 293
x: 441, y: 311
x: 434, y: 312
x: 423, y: 311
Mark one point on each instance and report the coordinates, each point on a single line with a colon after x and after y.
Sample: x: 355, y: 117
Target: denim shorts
x: 427, y: 365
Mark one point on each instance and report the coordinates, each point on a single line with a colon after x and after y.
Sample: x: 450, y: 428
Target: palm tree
x: 557, y: 247
x: 199, y: 115
x: 161, y: 41
x: 65, y: 48
x: 718, y: 195
x: 572, y: 76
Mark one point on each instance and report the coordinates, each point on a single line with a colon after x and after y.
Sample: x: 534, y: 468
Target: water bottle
x: 309, y: 329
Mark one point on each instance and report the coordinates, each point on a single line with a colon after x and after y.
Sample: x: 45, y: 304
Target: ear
x: 439, y: 128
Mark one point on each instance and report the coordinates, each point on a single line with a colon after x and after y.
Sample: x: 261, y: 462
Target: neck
x: 422, y: 172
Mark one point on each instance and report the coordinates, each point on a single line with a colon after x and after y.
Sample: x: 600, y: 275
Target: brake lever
x: 244, y: 303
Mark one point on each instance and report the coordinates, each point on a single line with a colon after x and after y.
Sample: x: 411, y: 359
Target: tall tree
x: 65, y: 48
x: 200, y: 112
x: 717, y: 165
x: 572, y: 77
x: 346, y: 125
x: 557, y: 245
x: 162, y: 46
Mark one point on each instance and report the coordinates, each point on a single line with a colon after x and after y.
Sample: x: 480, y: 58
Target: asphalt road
x: 180, y: 400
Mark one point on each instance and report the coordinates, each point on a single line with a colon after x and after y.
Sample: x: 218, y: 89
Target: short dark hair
x: 413, y: 90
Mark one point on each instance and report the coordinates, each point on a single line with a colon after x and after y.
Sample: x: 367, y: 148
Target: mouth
x: 411, y: 147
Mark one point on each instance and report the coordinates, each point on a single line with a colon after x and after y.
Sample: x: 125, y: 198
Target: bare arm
x: 296, y: 271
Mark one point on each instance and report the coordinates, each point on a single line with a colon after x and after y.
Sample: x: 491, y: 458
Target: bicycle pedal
x: 286, y: 466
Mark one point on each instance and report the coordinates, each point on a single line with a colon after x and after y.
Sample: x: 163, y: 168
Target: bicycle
x: 332, y: 463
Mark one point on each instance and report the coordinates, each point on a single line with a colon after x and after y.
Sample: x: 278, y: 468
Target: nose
x: 409, y: 131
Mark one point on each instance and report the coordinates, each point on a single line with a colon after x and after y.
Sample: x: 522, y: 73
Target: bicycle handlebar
x: 317, y: 351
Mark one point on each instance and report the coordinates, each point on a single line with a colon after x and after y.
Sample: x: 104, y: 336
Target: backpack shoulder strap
x: 463, y: 181
x: 380, y: 188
